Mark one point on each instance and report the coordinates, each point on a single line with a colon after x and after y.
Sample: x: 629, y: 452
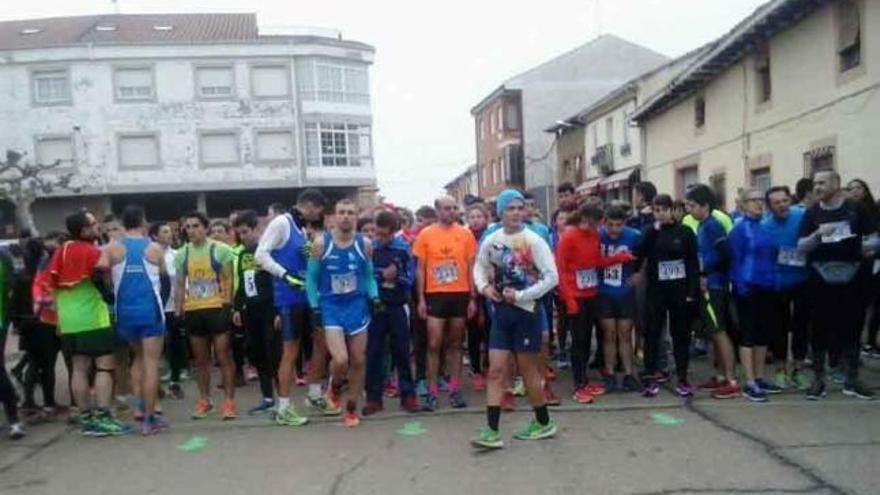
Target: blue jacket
x: 784, y: 235
x: 713, y: 251
x: 615, y: 278
x: 752, y: 256
x: 396, y: 252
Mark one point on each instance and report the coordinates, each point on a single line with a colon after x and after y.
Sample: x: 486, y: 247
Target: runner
x: 445, y: 253
x: 204, y: 297
x: 714, y: 302
x: 342, y: 294
x: 141, y: 285
x: 579, y: 260
x: 670, y: 258
x: 753, y: 261
x: 283, y: 251
x: 84, y: 323
x: 395, y: 272
x: 254, y: 312
x: 175, y: 334
x: 616, y: 307
x: 831, y: 234
x: 514, y: 270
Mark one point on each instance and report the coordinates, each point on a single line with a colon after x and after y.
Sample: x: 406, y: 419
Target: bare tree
x: 22, y: 183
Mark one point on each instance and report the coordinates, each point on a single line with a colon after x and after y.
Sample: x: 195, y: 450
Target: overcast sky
x: 435, y: 60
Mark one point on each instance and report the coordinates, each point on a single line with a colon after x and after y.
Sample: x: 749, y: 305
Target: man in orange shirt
x: 445, y: 252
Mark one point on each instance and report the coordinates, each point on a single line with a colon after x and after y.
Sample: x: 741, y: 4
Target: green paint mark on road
x: 194, y: 445
x: 663, y: 419
x: 413, y: 429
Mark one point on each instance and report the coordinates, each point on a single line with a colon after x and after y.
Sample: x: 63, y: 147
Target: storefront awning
x: 589, y: 186
x: 618, y: 178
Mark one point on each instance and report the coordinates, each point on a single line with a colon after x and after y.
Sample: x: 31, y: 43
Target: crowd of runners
x: 357, y: 307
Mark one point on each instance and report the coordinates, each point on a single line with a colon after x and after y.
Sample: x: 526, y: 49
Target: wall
x: 570, y: 151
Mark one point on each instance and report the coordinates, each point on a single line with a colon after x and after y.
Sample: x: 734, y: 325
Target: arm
x: 238, y: 297
x: 405, y: 277
x: 420, y: 280
x: 810, y: 237
x: 370, y: 285
x: 565, y: 292
x: 277, y: 233
x: 313, y: 274
x: 179, y: 282
x: 157, y: 257
x: 481, y: 269
x: 546, y: 267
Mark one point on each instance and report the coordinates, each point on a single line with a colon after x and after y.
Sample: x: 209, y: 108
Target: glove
x: 316, y: 318
x: 295, y: 282
x: 306, y: 250
x: 378, y: 306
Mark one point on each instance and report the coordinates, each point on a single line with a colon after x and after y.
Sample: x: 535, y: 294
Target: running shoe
x: 350, y: 419
x: 421, y: 388
x: 519, y: 387
x: 767, y: 387
x: 185, y: 375
x: 754, y: 393
x: 549, y: 374
x: 487, y: 438
x: 508, y: 402
x: 250, y: 373
x: 780, y: 379
x: 103, y: 424
x: 137, y: 408
x: 582, y: 395
x: 799, y: 380
x: 562, y: 361
x: 536, y: 431
x: 726, y: 391
x: 430, y: 404
x: 858, y: 391
x: 838, y: 377
x: 264, y: 406
x: 166, y: 377
x: 650, y: 388
x: 289, y: 417
x: 713, y: 384
x: 609, y: 383
x: 478, y: 382
x: 816, y: 390
x: 656, y: 376
x: 203, y: 408
x: 153, y: 426
x: 550, y: 398
x: 410, y: 404
x: 456, y: 400
x: 16, y: 431
x: 684, y: 389
x: 174, y: 391
x: 301, y: 381
x: 333, y: 406
x: 443, y: 384
x: 371, y: 408
x: 870, y: 351
x: 229, y: 412
x: 595, y: 389
x: 390, y: 389
x: 631, y: 384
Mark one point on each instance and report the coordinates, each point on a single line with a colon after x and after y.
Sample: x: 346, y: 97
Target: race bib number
x: 670, y: 270
x: 343, y: 283
x: 445, y: 274
x: 613, y: 276
x: 250, y: 283
x: 791, y: 257
x: 203, y: 289
x: 841, y: 230
x: 586, y: 279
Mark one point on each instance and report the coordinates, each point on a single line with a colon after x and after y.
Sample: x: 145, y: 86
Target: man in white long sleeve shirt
x: 513, y: 270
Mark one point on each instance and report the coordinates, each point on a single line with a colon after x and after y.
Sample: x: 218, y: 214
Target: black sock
x: 493, y: 415
x: 542, y: 415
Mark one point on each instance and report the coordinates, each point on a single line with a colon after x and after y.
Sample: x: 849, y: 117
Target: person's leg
x: 318, y: 368
x: 580, y: 345
x: 800, y: 324
x: 45, y: 356
x: 609, y: 344
x: 454, y: 339
x: 475, y: 341
x: 7, y: 391
x: 679, y: 330
x: 420, y: 345
x: 79, y: 380
x: 177, y: 346
x: 336, y: 346
x: 400, y: 350
x: 237, y: 349
x: 137, y: 374
x: 223, y: 350
x: 624, y: 330
x: 289, y: 353
x: 851, y: 320
x: 746, y: 330
x: 376, y: 335
x: 357, y: 349
x: 656, y: 316
x: 202, y: 362
x: 874, y: 306
x: 434, y: 342
x: 104, y: 367
x: 150, y: 356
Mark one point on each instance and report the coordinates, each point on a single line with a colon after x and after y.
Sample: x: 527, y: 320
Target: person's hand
x: 471, y: 309
x: 571, y: 307
x: 390, y: 273
x: 491, y: 294
x: 276, y: 323
x: 295, y: 282
x: 422, y: 309
x: 236, y: 318
x: 509, y: 295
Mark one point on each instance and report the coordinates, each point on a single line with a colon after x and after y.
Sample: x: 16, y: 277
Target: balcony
x: 603, y: 158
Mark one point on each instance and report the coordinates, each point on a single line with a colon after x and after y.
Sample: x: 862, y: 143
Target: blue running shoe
x: 754, y: 393
x: 767, y: 387
x: 429, y: 403
x: 265, y: 405
x: 456, y: 400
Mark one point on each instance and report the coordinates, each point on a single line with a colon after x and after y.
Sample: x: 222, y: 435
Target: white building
x: 177, y: 112
x: 790, y: 90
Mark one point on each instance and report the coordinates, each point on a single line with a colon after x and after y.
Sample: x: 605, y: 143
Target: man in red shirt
x: 579, y: 260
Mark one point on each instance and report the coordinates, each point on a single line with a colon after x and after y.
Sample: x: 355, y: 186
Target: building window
x: 819, y: 159
x: 626, y: 116
x: 718, y: 183
x: 337, y: 145
x: 699, y: 112
x: 133, y: 84
x: 215, y: 82
x: 492, y: 120
x: 219, y: 148
x: 500, y: 119
x: 761, y: 179
x: 503, y: 169
x: 270, y: 81
x: 687, y: 177
x: 609, y: 130
x: 762, y: 74
x: 334, y: 81
x: 849, y: 34
x: 52, y: 149
x: 51, y: 87
x: 511, y: 117
x: 138, y: 151
x: 275, y: 146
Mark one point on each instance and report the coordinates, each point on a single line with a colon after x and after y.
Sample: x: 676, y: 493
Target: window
x: 609, y: 130
x: 337, y: 145
x: 761, y: 179
x: 500, y: 119
x: 270, y: 81
x: 51, y: 87
x: 626, y: 116
x: 762, y: 74
x: 718, y: 183
x: 482, y: 129
x: 51, y: 149
x: 275, y: 146
x: 511, y: 117
x: 492, y: 120
x: 133, y: 84
x: 687, y: 177
x: 700, y: 112
x: 502, y: 170
x: 330, y: 80
x: 138, y: 151
x: 218, y: 148
x: 849, y: 34
x: 819, y: 159
x: 215, y: 82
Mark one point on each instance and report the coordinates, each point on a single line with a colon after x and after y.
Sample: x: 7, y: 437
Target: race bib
x: 791, y: 257
x: 203, y: 289
x: 445, y: 274
x: 841, y: 231
x: 613, y: 276
x: 586, y: 279
x: 343, y: 283
x: 670, y: 270
x: 250, y: 283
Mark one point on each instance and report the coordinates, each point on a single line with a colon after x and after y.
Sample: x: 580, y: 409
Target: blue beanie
x: 505, y: 198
